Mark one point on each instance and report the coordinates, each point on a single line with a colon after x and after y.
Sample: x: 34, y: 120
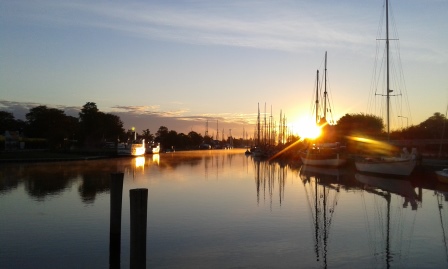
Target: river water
x: 221, y: 209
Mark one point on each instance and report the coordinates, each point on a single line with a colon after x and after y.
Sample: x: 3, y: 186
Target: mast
x: 317, y: 98
x: 258, y: 126
x: 387, y: 68
x: 325, y: 89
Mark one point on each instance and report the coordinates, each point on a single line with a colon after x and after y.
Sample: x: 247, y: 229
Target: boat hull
x: 389, y: 167
x: 315, y: 160
x: 132, y: 150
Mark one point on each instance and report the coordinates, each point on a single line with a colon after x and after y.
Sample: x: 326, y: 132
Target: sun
x: 307, y: 128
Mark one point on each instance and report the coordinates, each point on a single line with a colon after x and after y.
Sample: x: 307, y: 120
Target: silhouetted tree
x: 97, y: 127
x: 359, y: 125
x: 51, y: 124
x: 9, y: 123
x: 161, y: 136
x: 147, y: 136
x: 195, y: 139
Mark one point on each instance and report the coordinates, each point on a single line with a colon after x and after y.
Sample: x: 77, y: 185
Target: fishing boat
x: 134, y: 148
x: 323, y: 154
x: 399, y: 166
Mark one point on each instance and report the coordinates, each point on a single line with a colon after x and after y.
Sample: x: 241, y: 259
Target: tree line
x: 93, y: 128
x: 52, y: 128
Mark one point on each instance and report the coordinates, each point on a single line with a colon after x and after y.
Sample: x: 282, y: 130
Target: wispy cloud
x: 255, y: 24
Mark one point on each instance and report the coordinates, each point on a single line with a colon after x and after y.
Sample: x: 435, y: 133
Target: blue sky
x: 181, y: 63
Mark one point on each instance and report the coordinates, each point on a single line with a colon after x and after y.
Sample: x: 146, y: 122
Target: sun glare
x: 306, y: 128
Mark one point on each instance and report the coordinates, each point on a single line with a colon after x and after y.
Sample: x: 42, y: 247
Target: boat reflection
x: 400, y: 187
x: 392, y: 228
x: 139, y: 162
x: 322, y: 189
x: 156, y: 159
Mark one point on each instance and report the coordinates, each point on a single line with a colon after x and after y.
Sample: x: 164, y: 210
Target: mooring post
x: 116, y: 194
x: 139, y: 205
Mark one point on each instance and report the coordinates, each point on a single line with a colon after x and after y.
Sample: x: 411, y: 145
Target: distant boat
x: 153, y: 148
x: 134, y: 148
x: 323, y: 154
x: 403, y: 165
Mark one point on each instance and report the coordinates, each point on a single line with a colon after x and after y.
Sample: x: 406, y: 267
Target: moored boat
x: 134, y: 148
x: 323, y: 154
x: 153, y: 148
x: 404, y: 164
x: 327, y: 154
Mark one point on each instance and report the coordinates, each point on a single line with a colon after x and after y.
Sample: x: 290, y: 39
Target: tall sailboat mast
x: 387, y: 68
x: 325, y: 89
x: 317, y: 97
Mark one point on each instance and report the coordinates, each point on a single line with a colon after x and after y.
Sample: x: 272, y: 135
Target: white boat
x: 400, y: 166
x: 134, y: 148
x: 403, y: 165
x: 323, y: 154
x: 153, y: 148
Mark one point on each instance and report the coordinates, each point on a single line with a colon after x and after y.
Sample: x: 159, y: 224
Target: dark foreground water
x: 221, y: 209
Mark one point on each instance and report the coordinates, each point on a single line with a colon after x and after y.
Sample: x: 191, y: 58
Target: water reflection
x: 42, y: 180
x: 214, y: 216
x: 389, y: 223
x: 322, y: 188
x: 266, y: 176
x: 442, y: 204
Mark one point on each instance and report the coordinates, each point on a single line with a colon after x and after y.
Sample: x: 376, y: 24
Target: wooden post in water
x: 139, y: 206
x: 116, y: 194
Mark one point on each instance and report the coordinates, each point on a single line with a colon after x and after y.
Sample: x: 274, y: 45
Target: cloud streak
x: 262, y: 25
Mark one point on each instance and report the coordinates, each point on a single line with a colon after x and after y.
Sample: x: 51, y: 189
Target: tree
x: 89, y: 120
x: 359, y: 125
x: 147, y: 135
x: 431, y: 128
x: 51, y: 124
x: 97, y: 127
x: 195, y: 139
x: 112, y: 126
x: 161, y: 135
x: 9, y: 123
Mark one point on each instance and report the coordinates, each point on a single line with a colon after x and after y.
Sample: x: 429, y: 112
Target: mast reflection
x: 389, y: 228
x: 322, y: 190
x: 266, y: 174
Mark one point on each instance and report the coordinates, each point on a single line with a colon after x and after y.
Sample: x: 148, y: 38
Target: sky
x: 187, y: 65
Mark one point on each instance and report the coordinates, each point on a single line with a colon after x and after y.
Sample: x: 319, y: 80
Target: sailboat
x: 323, y: 154
x: 402, y: 165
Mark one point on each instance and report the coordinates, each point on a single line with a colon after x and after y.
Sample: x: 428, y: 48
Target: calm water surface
x: 221, y: 209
